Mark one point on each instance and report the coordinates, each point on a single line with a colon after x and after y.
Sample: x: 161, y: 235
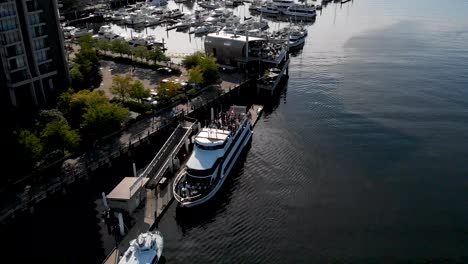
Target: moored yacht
x: 301, y: 11
x: 269, y: 9
x: 297, y: 38
x: 146, y: 248
x: 283, y: 4
x: 216, y: 149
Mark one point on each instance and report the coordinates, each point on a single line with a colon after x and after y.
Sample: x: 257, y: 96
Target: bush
x: 192, y: 92
x: 137, y: 107
x: 178, y: 97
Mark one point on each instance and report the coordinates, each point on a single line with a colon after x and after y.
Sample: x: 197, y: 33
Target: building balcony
x: 8, y: 30
x: 46, y: 67
x: 44, y: 62
x: 19, y: 76
x: 16, y: 68
x: 7, y: 16
x: 32, y: 6
x: 39, y: 37
x: 5, y: 1
x: 12, y: 54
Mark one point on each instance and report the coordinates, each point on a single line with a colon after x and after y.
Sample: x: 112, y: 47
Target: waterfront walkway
x: 31, y: 191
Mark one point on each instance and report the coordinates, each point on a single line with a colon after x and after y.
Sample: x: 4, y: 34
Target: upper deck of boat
x: 212, y: 136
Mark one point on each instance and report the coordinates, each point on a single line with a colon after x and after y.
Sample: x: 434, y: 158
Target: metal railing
x: 163, y: 167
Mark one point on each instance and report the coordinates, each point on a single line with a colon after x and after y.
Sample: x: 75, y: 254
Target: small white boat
x: 104, y: 29
x: 78, y: 32
x: 146, y: 248
x: 135, y: 19
x: 297, y: 38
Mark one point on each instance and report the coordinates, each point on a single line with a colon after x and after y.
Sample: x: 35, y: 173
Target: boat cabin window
x: 202, y: 173
x: 211, y: 147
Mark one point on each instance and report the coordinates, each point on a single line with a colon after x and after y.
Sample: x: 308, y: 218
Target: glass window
x: 7, y: 10
x: 7, y: 24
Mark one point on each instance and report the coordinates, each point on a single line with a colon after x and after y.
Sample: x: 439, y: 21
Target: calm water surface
x: 363, y: 157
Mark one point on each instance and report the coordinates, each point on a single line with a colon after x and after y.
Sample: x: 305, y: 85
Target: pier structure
x: 152, y: 187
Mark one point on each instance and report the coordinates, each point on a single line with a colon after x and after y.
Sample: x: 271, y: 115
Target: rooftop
x: 232, y: 37
x: 124, y: 190
x: 212, y: 136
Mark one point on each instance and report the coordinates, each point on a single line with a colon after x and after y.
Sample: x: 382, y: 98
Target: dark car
x: 165, y: 70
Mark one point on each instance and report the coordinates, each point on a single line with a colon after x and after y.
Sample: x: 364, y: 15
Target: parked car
x: 165, y: 70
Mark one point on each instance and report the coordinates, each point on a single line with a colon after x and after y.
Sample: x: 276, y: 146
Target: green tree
x: 30, y: 147
x: 86, y: 42
x: 87, y: 63
x: 168, y: 90
x: 80, y: 102
x: 193, y: 60
x: 102, y: 119
x: 120, y: 46
x: 137, y: 91
x: 76, y: 77
x: 140, y: 52
x: 121, y: 86
x: 47, y: 116
x: 210, y: 69
x: 103, y: 45
x: 63, y: 104
x: 58, y: 135
x: 156, y: 55
x: 196, y: 75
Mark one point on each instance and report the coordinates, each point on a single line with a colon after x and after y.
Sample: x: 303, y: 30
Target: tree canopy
x: 137, y: 91
x: 121, y: 86
x: 196, y: 75
x: 58, y: 135
x: 210, y: 69
x: 168, y: 90
x: 200, y: 63
x: 86, y: 72
x: 120, y: 46
x: 102, y: 119
x: 156, y: 55
x: 193, y: 60
x: 140, y: 52
x: 30, y: 147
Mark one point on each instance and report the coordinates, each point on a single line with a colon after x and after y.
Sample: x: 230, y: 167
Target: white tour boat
x: 146, y: 248
x: 215, y: 152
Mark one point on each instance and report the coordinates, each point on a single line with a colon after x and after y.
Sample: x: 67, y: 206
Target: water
x: 362, y: 157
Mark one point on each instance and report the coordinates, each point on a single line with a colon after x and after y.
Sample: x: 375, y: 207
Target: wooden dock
x: 113, y: 257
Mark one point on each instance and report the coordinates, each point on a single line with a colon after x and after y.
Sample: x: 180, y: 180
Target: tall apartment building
x: 33, y: 65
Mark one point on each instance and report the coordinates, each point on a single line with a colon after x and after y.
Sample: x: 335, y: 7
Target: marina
x: 334, y: 134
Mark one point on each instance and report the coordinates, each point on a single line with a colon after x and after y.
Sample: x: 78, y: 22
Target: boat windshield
x: 212, y: 147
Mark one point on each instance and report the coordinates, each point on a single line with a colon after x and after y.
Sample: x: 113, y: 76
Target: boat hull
x: 219, y: 184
